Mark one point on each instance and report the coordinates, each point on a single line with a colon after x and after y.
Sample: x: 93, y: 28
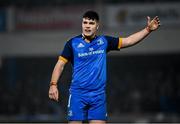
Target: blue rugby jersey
x: 89, y: 62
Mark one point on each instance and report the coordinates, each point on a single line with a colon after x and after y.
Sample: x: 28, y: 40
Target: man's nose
x: 87, y: 26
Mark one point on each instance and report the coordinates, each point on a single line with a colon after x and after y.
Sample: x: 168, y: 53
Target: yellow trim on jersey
x: 63, y: 59
x: 120, y: 43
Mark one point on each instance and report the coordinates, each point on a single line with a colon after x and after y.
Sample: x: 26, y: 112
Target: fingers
x: 157, y: 20
x: 53, y: 94
x: 149, y: 19
x: 56, y: 96
x: 154, y: 23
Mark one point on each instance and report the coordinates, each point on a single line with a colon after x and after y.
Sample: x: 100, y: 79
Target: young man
x: 87, y: 53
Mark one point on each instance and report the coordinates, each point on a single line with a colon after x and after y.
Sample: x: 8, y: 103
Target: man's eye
x: 92, y: 23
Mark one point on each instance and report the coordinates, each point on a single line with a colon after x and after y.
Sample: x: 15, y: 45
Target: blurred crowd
x: 136, y: 84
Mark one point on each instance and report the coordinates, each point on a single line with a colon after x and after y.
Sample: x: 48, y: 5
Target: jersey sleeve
x: 66, y: 54
x: 113, y: 43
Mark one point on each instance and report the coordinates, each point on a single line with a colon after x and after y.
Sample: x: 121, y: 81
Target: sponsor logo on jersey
x: 90, y: 53
x: 91, y: 49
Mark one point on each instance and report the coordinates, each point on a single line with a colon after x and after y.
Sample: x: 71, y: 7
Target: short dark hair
x: 91, y: 15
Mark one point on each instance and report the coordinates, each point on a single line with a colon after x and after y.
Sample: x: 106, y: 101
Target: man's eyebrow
x: 92, y: 22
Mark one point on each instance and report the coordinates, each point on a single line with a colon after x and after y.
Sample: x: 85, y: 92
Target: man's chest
x: 83, y: 49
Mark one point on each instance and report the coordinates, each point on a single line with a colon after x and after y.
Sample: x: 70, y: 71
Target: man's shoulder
x: 104, y: 36
x: 71, y: 40
x: 75, y: 38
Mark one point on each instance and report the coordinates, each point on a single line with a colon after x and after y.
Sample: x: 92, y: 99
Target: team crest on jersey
x: 80, y: 45
x: 100, y: 42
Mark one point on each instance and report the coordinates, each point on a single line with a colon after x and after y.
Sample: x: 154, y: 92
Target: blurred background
x: 143, y: 81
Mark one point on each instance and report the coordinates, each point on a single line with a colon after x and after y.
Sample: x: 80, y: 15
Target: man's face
x: 89, y: 27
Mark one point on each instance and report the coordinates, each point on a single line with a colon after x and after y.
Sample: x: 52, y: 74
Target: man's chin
x: 87, y: 35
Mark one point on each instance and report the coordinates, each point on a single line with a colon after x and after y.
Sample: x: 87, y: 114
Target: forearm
x: 135, y: 38
x: 58, y: 69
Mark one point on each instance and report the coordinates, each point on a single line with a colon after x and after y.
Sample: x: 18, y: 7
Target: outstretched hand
x: 153, y: 24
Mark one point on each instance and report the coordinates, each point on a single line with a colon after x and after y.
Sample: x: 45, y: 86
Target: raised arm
x: 152, y: 25
x: 53, y: 90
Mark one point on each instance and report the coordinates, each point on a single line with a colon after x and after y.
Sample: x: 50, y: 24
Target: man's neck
x: 88, y: 38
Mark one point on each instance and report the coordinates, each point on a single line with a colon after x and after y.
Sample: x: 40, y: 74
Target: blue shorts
x: 87, y: 107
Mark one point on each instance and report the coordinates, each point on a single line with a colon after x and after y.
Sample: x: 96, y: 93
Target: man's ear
x: 97, y: 27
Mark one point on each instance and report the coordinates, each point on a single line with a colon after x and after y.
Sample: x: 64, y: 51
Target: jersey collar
x: 84, y: 37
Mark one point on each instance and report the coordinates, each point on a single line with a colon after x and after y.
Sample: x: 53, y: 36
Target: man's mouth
x: 87, y: 30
